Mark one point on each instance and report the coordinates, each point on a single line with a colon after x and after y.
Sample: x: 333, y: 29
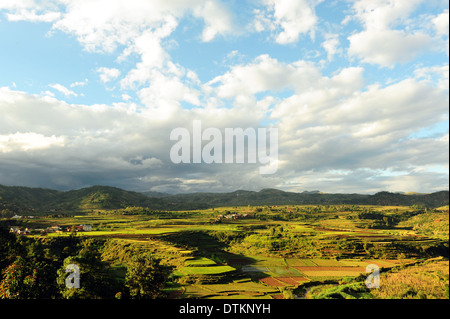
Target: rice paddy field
x: 279, y: 252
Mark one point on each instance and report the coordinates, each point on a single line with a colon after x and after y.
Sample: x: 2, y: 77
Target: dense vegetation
x: 37, y: 200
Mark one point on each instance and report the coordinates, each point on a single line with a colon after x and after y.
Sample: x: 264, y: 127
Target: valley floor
x: 279, y: 252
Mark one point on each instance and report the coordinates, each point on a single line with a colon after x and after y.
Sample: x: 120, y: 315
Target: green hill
x: 25, y: 200
x: 278, y: 197
x: 432, y: 200
x: 36, y: 200
x: 103, y: 197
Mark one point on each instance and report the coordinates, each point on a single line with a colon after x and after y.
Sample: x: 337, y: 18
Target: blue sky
x: 358, y: 89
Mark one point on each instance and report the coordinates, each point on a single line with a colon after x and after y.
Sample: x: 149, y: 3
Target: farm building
x: 18, y: 231
x: 81, y: 228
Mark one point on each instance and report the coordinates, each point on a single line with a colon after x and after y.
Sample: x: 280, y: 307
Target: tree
x: 27, y: 278
x: 8, y: 247
x: 145, y: 277
x: 95, y: 282
x: 6, y: 213
x: 287, y: 293
x: 12, y: 285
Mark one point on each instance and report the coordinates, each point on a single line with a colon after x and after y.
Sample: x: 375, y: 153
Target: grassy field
x: 277, y: 248
x: 198, y: 262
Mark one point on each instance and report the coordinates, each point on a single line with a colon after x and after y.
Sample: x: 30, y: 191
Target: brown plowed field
x: 292, y: 280
x: 283, y: 281
x: 300, y: 279
x: 272, y: 282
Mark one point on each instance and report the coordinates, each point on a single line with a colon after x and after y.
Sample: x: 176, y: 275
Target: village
x: 235, y: 216
x: 44, y: 231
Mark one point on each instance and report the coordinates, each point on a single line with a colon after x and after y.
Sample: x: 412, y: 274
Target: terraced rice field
x: 271, y: 281
x: 282, y: 272
x: 292, y: 262
x: 199, y: 262
x: 293, y: 280
x: 303, y: 269
x: 326, y: 262
x: 331, y: 271
x: 283, y: 281
x: 214, y: 270
x: 254, y: 268
x: 245, y: 289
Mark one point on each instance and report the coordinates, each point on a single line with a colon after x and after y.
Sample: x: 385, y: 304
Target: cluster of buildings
x: 20, y: 217
x: 80, y: 228
x: 52, y: 229
x: 17, y: 230
x: 219, y: 218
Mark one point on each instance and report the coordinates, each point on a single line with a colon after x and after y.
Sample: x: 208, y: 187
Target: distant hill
x: 392, y: 199
x: 104, y: 197
x: 263, y: 197
x: 37, y: 200
x: 155, y: 194
x: 25, y: 200
x: 278, y: 197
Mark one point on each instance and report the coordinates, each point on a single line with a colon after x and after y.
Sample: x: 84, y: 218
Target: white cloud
x: 331, y: 122
x: 126, y: 97
x: 165, y: 94
x: 79, y: 83
x: 62, y: 89
x: 218, y: 20
x: 108, y: 74
x: 327, y: 128
x: 28, y: 141
x: 30, y: 10
x: 388, y: 47
x: 331, y: 45
x: 441, y: 23
x: 153, y: 57
x: 289, y: 19
x: 383, y: 14
x: 264, y: 74
x: 102, y: 25
x: 435, y: 75
x: 32, y: 16
x: 390, y: 35
x: 48, y: 93
x: 16, y: 4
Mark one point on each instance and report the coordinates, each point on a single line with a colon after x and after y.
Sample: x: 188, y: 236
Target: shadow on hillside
x: 204, y: 245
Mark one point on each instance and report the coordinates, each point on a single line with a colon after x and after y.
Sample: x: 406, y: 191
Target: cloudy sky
x: 90, y: 91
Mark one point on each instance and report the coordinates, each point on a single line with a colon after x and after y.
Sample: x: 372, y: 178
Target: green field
x: 198, y: 262
x: 205, y: 270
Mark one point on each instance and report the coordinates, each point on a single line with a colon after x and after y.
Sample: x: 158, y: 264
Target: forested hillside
x: 26, y: 200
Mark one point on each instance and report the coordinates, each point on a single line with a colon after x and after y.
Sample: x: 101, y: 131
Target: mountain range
x: 37, y: 201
